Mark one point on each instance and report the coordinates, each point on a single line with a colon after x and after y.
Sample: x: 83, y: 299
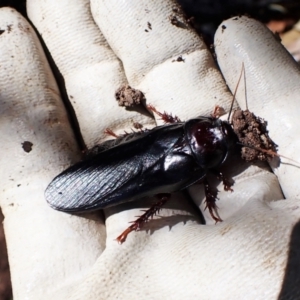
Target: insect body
x: 166, y: 159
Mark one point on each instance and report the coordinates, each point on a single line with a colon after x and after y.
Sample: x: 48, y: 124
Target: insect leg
x: 136, y: 125
x: 210, y: 200
x: 227, y: 182
x: 138, y: 223
x: 108, y: 131
x: 167, y: 118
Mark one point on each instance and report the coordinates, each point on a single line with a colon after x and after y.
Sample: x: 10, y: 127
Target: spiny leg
x: 167, y: 118
x: 211, y: 197
x: 138, y: 223
x: 137, y: 126
x: 227, y: 182
x: 108, y: 131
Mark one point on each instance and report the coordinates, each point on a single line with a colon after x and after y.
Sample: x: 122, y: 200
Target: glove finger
x: 272, y: 85
x: 36, y: 141
x: 91, y: 71
x: 255, y: 178
x: 162, y: 56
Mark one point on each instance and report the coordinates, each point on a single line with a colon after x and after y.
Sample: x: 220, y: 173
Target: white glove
x: 253, y: 254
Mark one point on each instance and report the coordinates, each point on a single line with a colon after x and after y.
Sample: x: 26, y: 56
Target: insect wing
x: 86, y: 184
x: 112, y: 176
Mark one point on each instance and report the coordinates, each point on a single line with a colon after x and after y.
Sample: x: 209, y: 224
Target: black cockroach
x: 162, y: 160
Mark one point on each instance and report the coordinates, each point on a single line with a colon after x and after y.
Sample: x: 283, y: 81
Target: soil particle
x: 128, y: 96
x: 252, y: 131
x: 179, y: 58
x: 27, y: 146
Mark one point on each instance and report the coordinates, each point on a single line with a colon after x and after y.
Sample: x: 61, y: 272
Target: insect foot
x: 211, y: 197
x: 167, y: 118
x: 138, y: 223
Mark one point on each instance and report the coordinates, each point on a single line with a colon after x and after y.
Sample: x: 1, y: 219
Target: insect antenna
x: 236, y: 92
x: 245, y: 86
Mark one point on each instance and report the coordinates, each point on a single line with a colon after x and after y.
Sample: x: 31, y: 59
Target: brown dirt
x: 252, y: 131
x: 128, y: 96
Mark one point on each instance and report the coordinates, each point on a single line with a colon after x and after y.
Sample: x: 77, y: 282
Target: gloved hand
x: 253, y: 254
